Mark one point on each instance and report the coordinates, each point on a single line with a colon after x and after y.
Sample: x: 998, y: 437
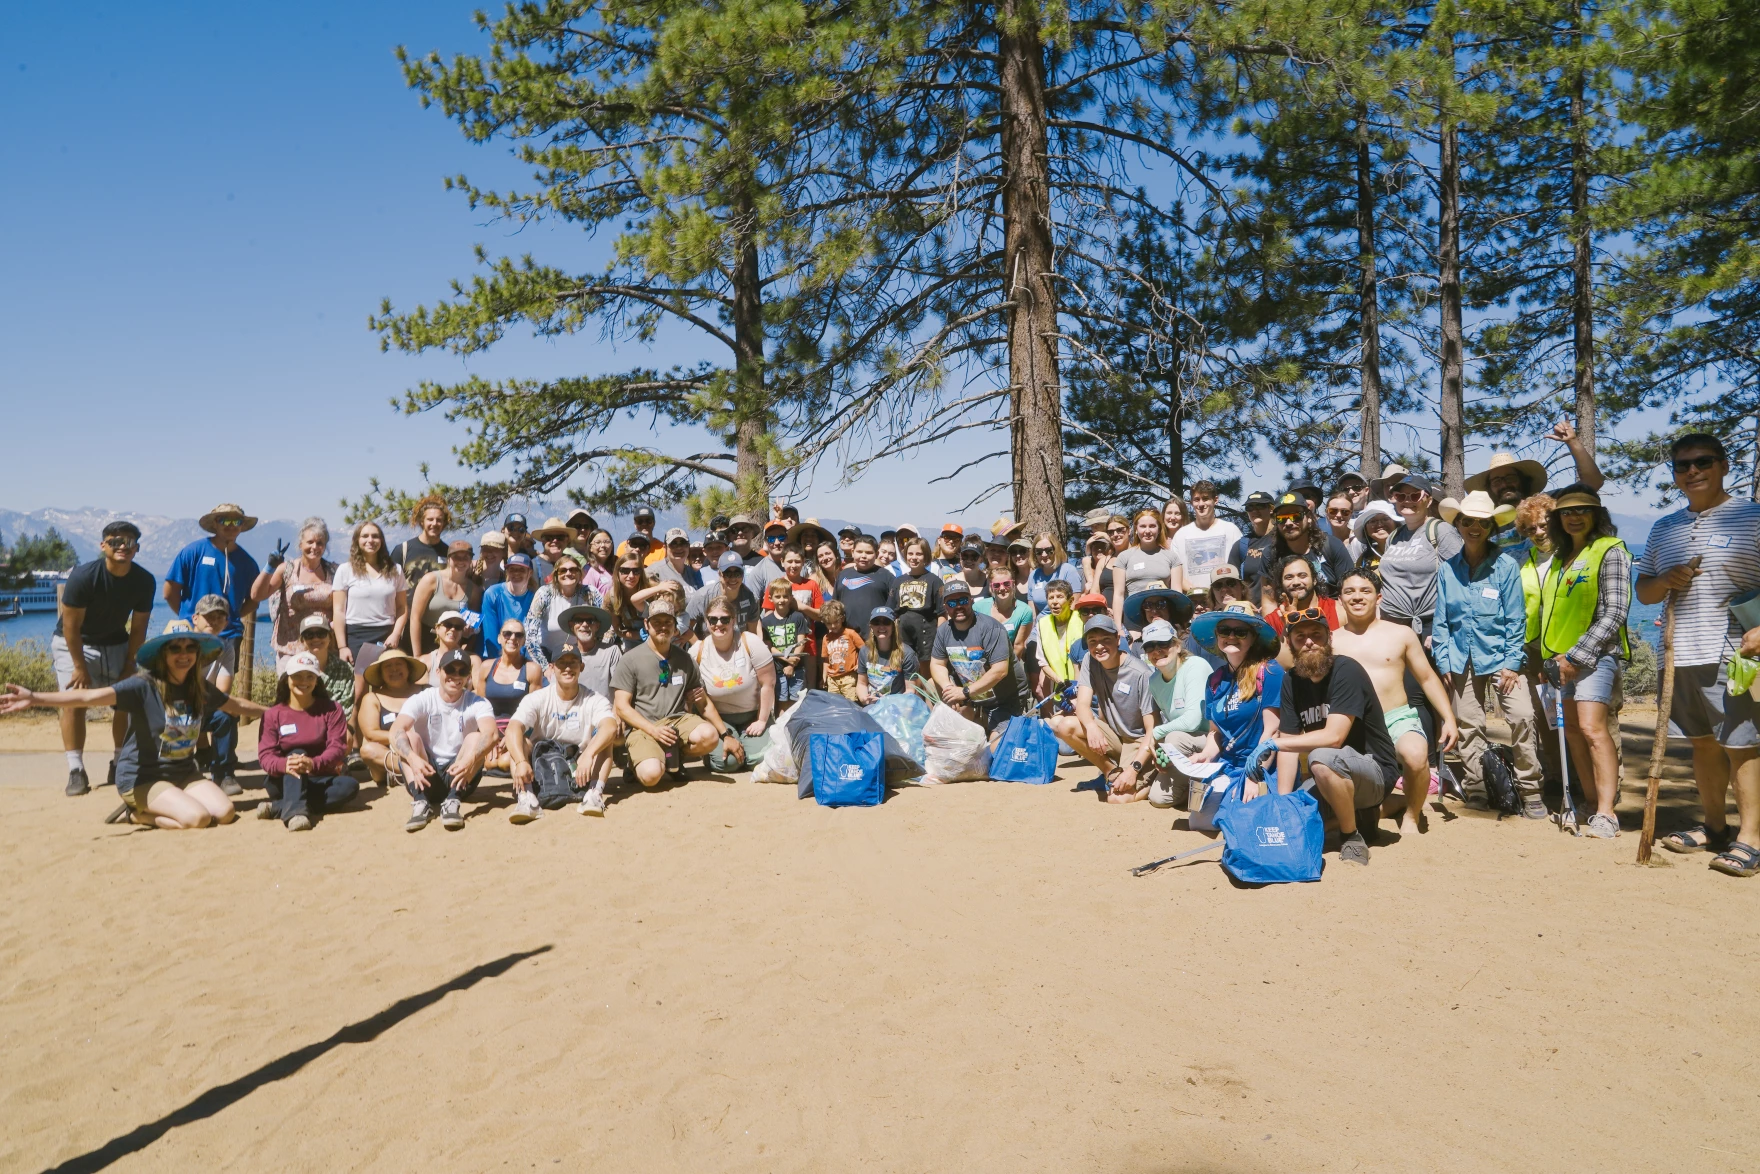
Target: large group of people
x: 1355, y: 639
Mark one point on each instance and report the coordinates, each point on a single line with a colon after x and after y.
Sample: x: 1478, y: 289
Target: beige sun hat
x: 210, y: 521
x: 1532, y: 473
x: 1477, y: 504
x: 375, y: 674
x: 553, y: 526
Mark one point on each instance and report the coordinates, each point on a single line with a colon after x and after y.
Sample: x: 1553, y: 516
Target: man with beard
x: 1331, y: 713
x: 1298, y: 592
x: 1294, y: 530
x: 1395, y: 661
x: 1509, y: 480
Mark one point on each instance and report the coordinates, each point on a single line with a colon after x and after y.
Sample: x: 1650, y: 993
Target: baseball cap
x: 1258, y: 497
x: 1100, y: 623
x: 956, y: 586
x: 446, y: 617
x: 567, y: 649
x: 676, y: 534
x: 1096, y: 518
x: 582, y: 520
x: 207, y: 605
x: 312, y: 623
x: 639, y: 539
x: 1291, y: 503
x: 661, y: 605
x: 1020, y: 544
x: 457, y: 546
x: 953, y: 528
x: 972, y: 546
x: 455, y: 656
x: 301, y: 662
x: 1090, y: 599
x: 1158, y: 632
x: 775, y: 526
x: 731, y: 561
x: 122, y: 526
x: 493, y: 538
x: 513, y: 520
x: 849, y: 529
x: 518, y: 560
x: 714, y: 538
x: 882, y: 613
x: 644, y: 514
x: 907, y: 528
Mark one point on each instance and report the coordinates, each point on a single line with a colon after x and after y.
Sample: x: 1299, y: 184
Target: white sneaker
x: 525, y: 808
x: 451, y: 817
x: 593, y: 803
x: 420, y: 814
x: 266, y: 809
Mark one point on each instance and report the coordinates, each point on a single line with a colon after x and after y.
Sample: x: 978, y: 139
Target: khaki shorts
x: 842, y: 686
x: 641, y: 744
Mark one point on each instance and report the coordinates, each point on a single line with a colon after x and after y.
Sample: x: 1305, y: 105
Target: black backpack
x: 1499, y: 771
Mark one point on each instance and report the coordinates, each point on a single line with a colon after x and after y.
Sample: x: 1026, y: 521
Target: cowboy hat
x: 207, y: 646
x: 570, y: 616
x: 1179, y: 606
x: 1204, y: 627
x: 226, y: 509
x: 1477, y: 504
x: 553, y: 526
x: 375, y: 674
x: 1003, y: 528
x: 1532, y: 473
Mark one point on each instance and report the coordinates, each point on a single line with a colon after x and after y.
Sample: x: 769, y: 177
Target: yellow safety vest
x: 1531, y: 593
x: 1054, y: 645
x: 1569, y: 597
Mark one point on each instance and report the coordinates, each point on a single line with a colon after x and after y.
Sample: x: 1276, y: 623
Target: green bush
x: 1643, y: 672
x: 26, y: 662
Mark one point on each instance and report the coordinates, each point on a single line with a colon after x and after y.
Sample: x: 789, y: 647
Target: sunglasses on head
x: 1699, y: 463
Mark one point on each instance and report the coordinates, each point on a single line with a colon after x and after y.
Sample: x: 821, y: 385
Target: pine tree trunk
x: 1582, y: 289
x: 1754, y: 468
x: 1368, y: 310
x: 1176, y: 423
x: 1454, y: 455
x: 751, y: 403
x: 1036, y: 401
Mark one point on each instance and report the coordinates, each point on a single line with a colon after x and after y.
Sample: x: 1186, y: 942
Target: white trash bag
x: 955, y: 750
x: 778, y: 763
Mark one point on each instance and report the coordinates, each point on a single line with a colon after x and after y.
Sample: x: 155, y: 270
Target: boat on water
x: 42, y: 595
x: 10, y: 609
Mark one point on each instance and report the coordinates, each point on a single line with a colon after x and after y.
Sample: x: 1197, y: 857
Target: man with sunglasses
x: 1295, y: 530
x: 653, y: 688
x: 971, y: 662
x: 1257, y: 508
x: 438, y: 744
x: 215, y: 565
x: 100, y: 623
x: 1510, y: 481
x: 1724, y: 534
x: 1114, y: 712
x: 759, y: 574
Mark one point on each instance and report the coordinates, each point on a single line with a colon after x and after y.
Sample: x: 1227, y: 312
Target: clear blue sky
x: 204, y: 202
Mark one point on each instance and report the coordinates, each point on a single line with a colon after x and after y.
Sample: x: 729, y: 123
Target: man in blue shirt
x: 215, y: 566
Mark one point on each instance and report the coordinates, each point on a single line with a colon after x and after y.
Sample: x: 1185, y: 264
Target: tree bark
x: 1448, y: 253
x: 1582, y: 288
x: 1368, y: 309
x: 1036, y: 395
x: 750, y: 400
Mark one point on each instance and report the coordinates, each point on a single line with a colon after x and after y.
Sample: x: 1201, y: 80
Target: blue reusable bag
x: 1026, y: 753
x: 1272, y: 839
x: 849, y: 770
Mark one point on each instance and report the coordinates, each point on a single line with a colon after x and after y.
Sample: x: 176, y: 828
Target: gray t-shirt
x: 597, y: 667
x: 970, y: 654
x: 1122, y: 695
x: 1145, y: 569
x: 638, y: 674
x: 1408, y: 571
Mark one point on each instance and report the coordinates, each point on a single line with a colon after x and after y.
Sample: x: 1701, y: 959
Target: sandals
x: 1697, y: 838
x: 1738, y: 859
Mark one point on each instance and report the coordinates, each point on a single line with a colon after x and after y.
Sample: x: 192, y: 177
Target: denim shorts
x: 1598, y: 685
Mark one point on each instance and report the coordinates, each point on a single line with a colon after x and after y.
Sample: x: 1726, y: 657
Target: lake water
x: 40, y: 626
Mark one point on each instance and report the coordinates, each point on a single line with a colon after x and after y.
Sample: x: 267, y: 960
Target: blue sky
x: 205, y: 203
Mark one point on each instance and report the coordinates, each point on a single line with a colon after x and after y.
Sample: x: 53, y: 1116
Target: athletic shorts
x: 1600, y: 683
x: 1703, y: 707
x: 103, y: 663
x: 642, y: 746
x: 1360, y: 768
x: 1403, y: 721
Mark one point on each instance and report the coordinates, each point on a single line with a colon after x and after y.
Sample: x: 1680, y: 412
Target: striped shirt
x: 1727, y: 537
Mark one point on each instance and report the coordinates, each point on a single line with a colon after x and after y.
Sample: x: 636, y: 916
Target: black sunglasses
x: 1157, y: 645
x: 514, y: 634
x: 1699, y: 463
x: 629, y: 570
x: 456, y: 670
x: 1223, y: 630
x: 717, y: 621
x: 1045, y: 550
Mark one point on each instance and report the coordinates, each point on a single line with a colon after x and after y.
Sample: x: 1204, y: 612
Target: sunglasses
x: 629, y: 570
x: 455, y: 670
x: 717, y: 621
x: 120, y: 543
x: 1044, y: 550
x: 880, y: 623
x: 234, y: 522
x: 182, y: 647
x: 1575, y: 511
x: 452, y: 625
x: 665, y: 673
x: 310, y: 636
x: 1157, y: 645
x: 1003, y: 585
x: 1231, y: 631
x: 514, y: 634
x: 1699, y: 463
x: 1312, y: 613
x: 956, y: 604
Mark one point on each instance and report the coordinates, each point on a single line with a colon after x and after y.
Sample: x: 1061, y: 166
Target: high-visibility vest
x: 1054, y: 645
x: 1531, y: 593
x: 1569, y: 596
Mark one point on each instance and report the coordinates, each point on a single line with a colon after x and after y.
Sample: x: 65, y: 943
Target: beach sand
x: 718, y: 976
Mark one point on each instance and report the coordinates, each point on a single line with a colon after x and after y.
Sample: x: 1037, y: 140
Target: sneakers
x: 230, y: 786
x: 266, y: 809
x: 1602, y: 827
x: 525, y: 808
x: 420, y: 815
x: 1534, y: 807
x: 451, y: 818
x: 299, y: 823
x: 77, y: 782
x: 593, y: 803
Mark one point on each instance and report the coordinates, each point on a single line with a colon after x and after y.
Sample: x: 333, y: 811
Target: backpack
x: 553, y: 773
x: 1499, y: 771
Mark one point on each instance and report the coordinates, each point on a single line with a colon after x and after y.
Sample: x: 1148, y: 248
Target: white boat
x: 44, y: 594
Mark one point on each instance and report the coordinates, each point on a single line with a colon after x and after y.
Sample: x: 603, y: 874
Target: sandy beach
x: 718, y: 976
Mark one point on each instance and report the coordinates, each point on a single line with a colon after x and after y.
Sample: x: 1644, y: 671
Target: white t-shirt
x: 545, y: 715
x: 372, y: 597
x: 732, y: 683
x: 1205, y: 551
x: 1727, y: 537
x: 442, y: 727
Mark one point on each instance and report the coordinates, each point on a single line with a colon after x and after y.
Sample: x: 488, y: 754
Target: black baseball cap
x: 513, y: 520
x: 455, y: 656
x: 1306, y: 487
x: 1259, y: 497
x: 639, y: 539
x: 644, y: 514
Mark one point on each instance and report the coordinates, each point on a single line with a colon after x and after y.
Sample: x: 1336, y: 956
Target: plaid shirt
x: 1615, y: 591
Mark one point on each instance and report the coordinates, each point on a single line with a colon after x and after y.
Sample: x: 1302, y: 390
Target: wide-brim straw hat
x: 226, y: 509
x: 1477, y: 504
x: 1533, y: 473
x: 375, y: 675
x: 553, y: 526
x: 208, y: 646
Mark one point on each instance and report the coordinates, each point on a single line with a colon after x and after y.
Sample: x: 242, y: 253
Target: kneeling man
x: 570, y: 722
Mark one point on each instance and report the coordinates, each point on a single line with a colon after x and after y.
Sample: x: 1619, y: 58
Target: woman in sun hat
x: 391, y: 680
x: 1243, y: 698
x: 1370, y: 531
x: 167, y: 702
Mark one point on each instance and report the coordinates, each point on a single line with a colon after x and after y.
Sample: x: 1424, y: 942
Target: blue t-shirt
x: 1239, y: 724
x: 201, y: 569
x: 1037, y: 578
x: 500, y: 605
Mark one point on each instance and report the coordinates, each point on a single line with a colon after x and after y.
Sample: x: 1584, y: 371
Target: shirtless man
x: 1387, y: 651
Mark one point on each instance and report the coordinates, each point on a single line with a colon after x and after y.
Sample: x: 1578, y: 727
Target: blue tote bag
x: 1273, y: 839
x: 1027, y: 752
x: 849, y: 770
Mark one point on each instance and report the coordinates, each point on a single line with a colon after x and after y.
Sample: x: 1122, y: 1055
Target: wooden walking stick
x: 247, y: 653
x: 1659, y: 745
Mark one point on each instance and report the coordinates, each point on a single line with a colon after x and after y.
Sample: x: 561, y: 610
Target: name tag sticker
x: 1488, y: 592
x: 207, y: 560
x: 289, y: 729
x: 1124, y: 687
x: 1719, y: 541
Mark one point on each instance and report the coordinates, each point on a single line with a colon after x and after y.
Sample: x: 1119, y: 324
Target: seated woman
x: 504, y: 683
x: 452, y: 635
x: 303, y: 747
x: 317, y: 637
x: 887, y: 664
x: 167, y: 703
x: 739, y: 675
x: 391, y: 680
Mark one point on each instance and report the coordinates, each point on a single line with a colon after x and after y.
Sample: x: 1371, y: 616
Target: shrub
x: 27, y: 663
x: 1643, y: 673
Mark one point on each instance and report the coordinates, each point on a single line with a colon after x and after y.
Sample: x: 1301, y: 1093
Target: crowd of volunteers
x: 1355, y: 639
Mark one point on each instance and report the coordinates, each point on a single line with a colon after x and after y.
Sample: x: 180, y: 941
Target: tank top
x: 440, y: 603
x: 387, y: 716
x: 504, y: 699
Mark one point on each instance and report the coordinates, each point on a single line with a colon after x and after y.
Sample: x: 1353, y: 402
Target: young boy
x: 212, y: 614
x: 842, y: 644
x: 788, y: 633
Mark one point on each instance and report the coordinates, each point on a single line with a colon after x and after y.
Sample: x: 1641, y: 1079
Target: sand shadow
x: 224, y: 1096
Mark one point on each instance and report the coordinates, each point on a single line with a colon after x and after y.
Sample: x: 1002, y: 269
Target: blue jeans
x: 223, y: 737
x: 790, y: 688
x: 310, y: 797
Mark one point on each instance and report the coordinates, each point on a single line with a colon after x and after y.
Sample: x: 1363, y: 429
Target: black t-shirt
x: 1347, y: 690
x: 919, y: 593
x: 783, y: 634
x: 109, y: 601
x: 161, y: 744
x: 861, y: 592
x: 417, y: 558
x: 1332, y: 562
